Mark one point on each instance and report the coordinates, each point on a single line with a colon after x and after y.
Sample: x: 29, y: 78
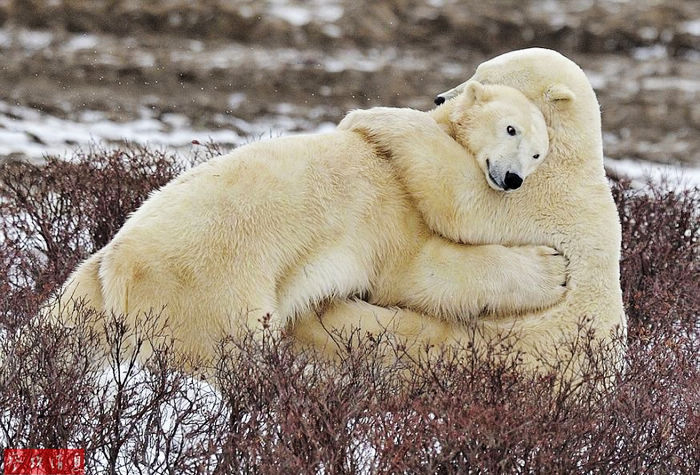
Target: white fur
x: 565, y: 204
x: 281, y: 226
x: 496, y: 151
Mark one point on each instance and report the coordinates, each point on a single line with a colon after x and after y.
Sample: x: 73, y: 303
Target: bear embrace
x: 566, y: 204
x: 475, y: 213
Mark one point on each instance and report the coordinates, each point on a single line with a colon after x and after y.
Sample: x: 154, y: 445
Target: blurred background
x: 169, y: 72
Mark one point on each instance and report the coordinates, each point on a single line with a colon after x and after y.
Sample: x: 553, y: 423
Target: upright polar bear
x: 567, y: 204
x: 277, y: 227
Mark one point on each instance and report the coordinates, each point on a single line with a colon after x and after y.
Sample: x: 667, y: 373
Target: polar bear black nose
x: 512, y: 181
x: 439, y: 100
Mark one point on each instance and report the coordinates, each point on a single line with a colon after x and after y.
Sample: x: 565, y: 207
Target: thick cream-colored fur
x: 277, y: 227
x: 497, y: 125
x: 566, y: 204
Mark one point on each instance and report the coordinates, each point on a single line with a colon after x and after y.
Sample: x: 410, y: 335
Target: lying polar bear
x: 273, y: 228
x: 567, y: 205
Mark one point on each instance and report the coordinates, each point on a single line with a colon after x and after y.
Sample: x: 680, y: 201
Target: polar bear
x: 267, y: 232
x: 497, y: 125
x: 567, y: 205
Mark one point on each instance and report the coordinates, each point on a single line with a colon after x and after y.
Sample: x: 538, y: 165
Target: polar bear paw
x: 536, y: 278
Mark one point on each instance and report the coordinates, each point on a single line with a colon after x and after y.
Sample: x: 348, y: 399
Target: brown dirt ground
x: 325, y: 58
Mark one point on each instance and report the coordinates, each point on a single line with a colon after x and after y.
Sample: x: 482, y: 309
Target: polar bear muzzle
x: 509, y: 182
x: 512, y: 181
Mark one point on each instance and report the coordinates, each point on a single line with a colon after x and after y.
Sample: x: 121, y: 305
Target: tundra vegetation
x: 268, y: 409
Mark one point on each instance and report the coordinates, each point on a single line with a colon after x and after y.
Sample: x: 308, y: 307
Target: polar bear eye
x: 510, y: 130
x: 536, y: 156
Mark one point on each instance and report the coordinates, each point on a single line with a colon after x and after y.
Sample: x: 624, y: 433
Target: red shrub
x: 57, y: 214
x: 275, y: 411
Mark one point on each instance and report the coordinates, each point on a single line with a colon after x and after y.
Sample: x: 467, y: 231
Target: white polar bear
x: 567, y: 205
x: 508, y: 144
x: 277, y: 227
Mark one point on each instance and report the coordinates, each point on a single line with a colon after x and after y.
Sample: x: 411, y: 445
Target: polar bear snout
x: 512, y: 181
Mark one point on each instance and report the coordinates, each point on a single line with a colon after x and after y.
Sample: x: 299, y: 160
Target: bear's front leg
x: 461, y: 282
x: 443, y: 179
x: 396, y: 130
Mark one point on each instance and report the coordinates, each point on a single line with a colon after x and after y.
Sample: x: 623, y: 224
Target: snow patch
x: 598, y: 81
x: 334, y: 31
x: 236, y: 99
x: 300, y: 15
x: 34, y: 39
x: 82, y: 42
x: 31, y: 40
x: 31, y: 134
x: 5, y: 38
x: 691, y: 27
x: 647, y: 53
x: 661, y: 83
x: 330, y: 13
x: 295, y: 15
x: 674, y: 176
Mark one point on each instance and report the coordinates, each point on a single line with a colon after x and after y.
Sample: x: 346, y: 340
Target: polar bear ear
x: 559, y: 94
x: 474, y: 91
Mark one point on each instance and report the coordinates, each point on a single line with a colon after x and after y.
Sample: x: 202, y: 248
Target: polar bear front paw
x: 538, y: 279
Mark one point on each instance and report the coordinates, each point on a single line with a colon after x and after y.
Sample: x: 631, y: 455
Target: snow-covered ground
x: 32, y: 134
x: 640, y: 172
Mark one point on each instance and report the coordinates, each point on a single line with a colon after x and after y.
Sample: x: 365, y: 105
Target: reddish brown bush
x: 55, y: 215
x: 276, y: 411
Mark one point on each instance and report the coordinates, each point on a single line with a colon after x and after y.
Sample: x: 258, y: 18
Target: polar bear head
x: 505, y: 132
x: 561, y: 90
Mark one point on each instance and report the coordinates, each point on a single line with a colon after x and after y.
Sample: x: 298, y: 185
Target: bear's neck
x: 441, y: 115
